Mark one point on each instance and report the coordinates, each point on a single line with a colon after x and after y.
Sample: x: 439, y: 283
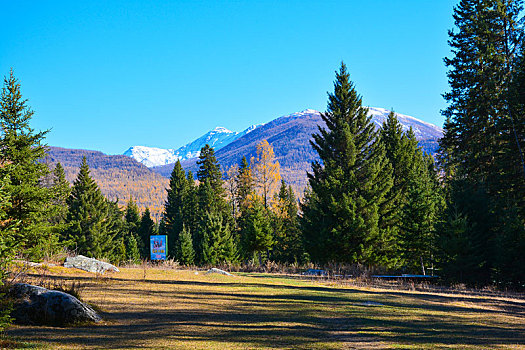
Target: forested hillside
x: 118, y: 176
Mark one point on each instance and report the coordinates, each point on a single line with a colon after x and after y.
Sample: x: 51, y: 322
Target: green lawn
x: 181, y: 310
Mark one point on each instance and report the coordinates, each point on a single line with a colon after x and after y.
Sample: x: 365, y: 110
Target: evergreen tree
x: 23, y: 148
x: 191, y: 205
x: 61, y: 190
x: 185, y: 252
x: 7, y: 252
x: 131, y: 237
x: 210, y: 170
x: 174, y: 207
x: 420, y: 214
x: 245, y: 185
x: 401, y: 151
x: 217, y: 242
x: 119, y: 255
x: 348, y: 187
x: 256, y: 232
x: 91, y: 227
x: 480, y: 151
x: 132, y: 249
x: 146, y: 229
x: 513, y: 154
x: 484, y: 51
x: 132, y: 216
x: 288, y: 240
x: 211, y: 205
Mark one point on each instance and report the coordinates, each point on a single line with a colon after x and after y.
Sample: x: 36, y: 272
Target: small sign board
x: 158, y: 247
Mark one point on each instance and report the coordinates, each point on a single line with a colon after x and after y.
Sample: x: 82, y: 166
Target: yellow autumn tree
x: 266, y: 172
x: 232, y: 187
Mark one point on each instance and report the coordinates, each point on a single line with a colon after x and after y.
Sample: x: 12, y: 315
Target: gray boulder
x: 219, y: 271
x: 89, y: 264
x: 40, y: 306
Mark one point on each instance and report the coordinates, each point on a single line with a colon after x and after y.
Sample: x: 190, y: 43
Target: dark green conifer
x: 480, y: 149
x: 288, y: 240
x: 341, y: 216
x: 174, y: 207
x: 7, y: 253
x: 24, y: 149
x: 209, y: 169
x: 131, y: 232
x: 217, y: 242
x: 257, y: 232
x: 146, y: 229
x: 62, y: 190
x: 185, y: 252
x: 90, y: 217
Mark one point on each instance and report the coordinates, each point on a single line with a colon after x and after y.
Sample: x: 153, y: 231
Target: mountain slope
x: 117, y: 176
x: 217, y: 138
x: 290, y: 137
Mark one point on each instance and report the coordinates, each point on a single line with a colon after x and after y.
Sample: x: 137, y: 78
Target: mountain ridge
x: 216, y: 138
x: 290, y: 137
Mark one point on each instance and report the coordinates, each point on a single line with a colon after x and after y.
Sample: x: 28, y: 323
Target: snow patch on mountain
x: 422, y: 130
x: 216, y: 138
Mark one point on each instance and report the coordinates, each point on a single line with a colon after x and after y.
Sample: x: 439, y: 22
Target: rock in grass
x: 219, y: 271
x: 370, y: 303
x: 35, y: 305
x: 89, y: 264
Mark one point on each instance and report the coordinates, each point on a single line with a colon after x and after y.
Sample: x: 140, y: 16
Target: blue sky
x: 107, y: 75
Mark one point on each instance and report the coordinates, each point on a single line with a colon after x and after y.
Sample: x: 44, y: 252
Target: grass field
x: 178, y: 309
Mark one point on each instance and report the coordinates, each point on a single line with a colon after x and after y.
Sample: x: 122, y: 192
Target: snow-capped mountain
x: 422, y: 130
x: 426, y: 133
x: 216, y: 138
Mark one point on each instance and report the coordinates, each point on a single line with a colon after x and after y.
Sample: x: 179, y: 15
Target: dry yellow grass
x: 177, y: 309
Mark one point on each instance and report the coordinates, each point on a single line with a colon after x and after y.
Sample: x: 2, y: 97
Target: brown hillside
x: 118, y: 177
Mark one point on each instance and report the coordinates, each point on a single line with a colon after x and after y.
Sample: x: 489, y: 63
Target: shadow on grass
x: 279, y: 315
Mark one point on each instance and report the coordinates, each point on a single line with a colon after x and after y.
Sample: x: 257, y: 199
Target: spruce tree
x: 146, y: 229
x: 210, y: 170
x: 401, y: 153
x: 480, y: 149
x: 212, y: 205
x: 90, y: 218
x: 174, y: 207
x: 288, y: 240
x: 256, y: 233
x: 117, y: 224
x: 420, y: 214
x: 245, y: 184
x: 24, y: 148
x: 8, y: 247
x: 131, y: 232
x: 191, y: 204
x: 348, y: 186
x: 185, y: 252
x: 217, y: 242
x: 62, y: 190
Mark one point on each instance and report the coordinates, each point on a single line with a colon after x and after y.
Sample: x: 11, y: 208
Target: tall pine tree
x: 174, y: 207
x: 348, y: 187
x: 23, y: 148
x: 91, y: 223
x: 480, y: 150
x: 147, y: 228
